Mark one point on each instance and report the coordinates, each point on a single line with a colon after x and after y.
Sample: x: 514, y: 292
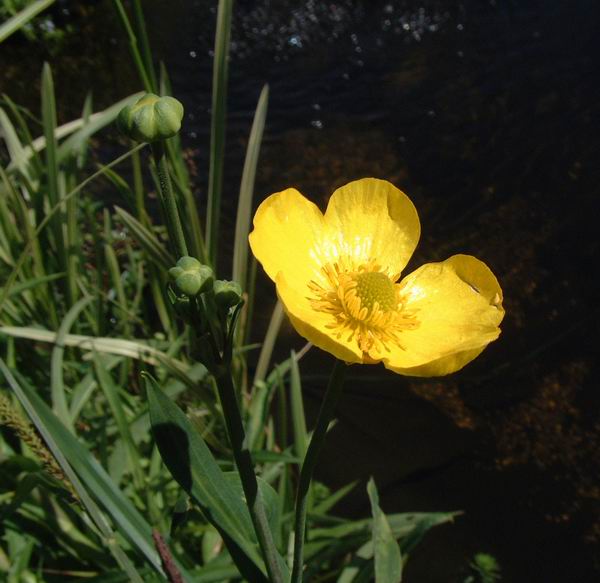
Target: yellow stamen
x: 365, y: 303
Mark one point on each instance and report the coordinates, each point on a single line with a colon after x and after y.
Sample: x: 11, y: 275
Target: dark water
x: 486, y: 114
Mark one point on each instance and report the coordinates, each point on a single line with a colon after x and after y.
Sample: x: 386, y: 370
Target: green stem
x: 332, y: 395
x: 243, y: 461
x: 174, y: 224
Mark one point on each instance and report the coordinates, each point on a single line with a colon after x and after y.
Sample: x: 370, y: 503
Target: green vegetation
x: 88, y: 309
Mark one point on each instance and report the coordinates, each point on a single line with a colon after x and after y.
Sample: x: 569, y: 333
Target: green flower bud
x: 151, y: 118
x: 227, y: 293
x: 191, y: 277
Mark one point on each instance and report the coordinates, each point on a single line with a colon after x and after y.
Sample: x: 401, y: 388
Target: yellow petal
x: 287, y: 229
x: 372, y: 219
x: 313, y: 325
x: 458, y: 304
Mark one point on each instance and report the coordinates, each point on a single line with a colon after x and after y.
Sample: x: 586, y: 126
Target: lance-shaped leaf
x: 195, y: 469
x: 388, y: 560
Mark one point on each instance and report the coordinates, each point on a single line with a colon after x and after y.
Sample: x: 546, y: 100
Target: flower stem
x: 243, y: 461
x: 174, y: 224
x: 332, y: 395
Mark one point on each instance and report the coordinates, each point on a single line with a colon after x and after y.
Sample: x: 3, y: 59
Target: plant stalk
x: 243, y: 461
x: 330, y: 400
x: 174, y: 223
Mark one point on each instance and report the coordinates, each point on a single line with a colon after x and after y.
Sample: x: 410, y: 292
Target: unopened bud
x: 227, y: 294
x: 151, y: 118
x: 191, y: 277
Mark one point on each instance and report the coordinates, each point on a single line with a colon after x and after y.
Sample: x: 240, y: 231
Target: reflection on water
x: 483, y: 112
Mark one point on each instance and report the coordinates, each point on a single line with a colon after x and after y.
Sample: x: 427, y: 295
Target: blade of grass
x: 117, y: 346
x: 24, y: 221
x: 78, y: 131
x: 30, y: 153
x: 388, y: 560
x: 16, y: 150
x: 20, y: 19
x: 27, y: 250
x: 147, y: 240
x: 217, y: 130
x: 84, y: 389
x: 89, y: 504
x: 297, y: 407
x: 244, y: 209
x: 28, y: 284
x: 81, y: 130
x: 132, y: 525
x: 142, y: 36
x: 111, y: 392
x: 115, y: 275
x: 269, y: 343
x: 133, y: 47
x: 52, y: 173
x: 57, y: 386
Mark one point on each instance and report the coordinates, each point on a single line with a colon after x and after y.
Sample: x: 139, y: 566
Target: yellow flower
x: 338, y: 277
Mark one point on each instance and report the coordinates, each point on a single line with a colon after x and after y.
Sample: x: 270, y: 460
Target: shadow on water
x: 485, y: 113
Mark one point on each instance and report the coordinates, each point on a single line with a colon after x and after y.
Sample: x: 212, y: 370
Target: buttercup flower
x: 338, y: 278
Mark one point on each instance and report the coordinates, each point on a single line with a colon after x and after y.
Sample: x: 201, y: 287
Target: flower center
x: 373, y: 288
x: 365, y: 306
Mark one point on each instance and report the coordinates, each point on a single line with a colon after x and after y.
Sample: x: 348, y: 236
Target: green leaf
x: 297, y: 407
x: 32, y: 283
x: 195, y: 469
x: 52, y: 166
x: 269, y: 343
x: 20, y: 19
x: 217, y: 133
x: 329, y: 502
x: 137, y: 349
x: 111, y: 392
x: 59, y: 398
x: 244, y: 209
x: 64, y: 446
x: 267, y: 492
x: 156, y: 251
x: 16, y: 150
x: 388, y: 560
x: 79, y: 131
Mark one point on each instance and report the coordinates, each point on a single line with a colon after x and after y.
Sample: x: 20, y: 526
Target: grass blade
x: 388, y: 560
x: 57, y: 387
x: 147, y: 240
x: 114, y: 270
x: 16, y: 150
x: 111, y: 392
x: 20, y: 19
x: 244, y: 209
x: 142, y: 35
x: 41, y: 417
x: 269, y: 343
x: 52, y: 172
x: 137, y: 349
x: 217, y: 130
x: 49, y: 215
x: 81, y: 130
x: 133, y: 47
x: 78, y: 130
x: 297, y: 406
